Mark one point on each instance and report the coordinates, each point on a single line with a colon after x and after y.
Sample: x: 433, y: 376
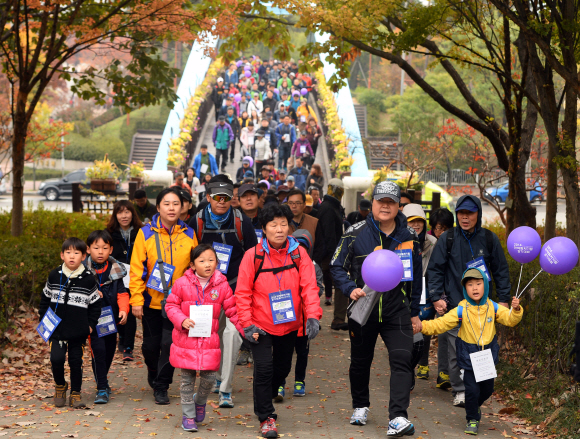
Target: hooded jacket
x: 176, y: 250
x: 361, y: 240
x: 199, y: 353
x: 297, y: 148
x: 253, y: 300
x: 477, y: 331
x: 222, y: 135
x: 445, y: 271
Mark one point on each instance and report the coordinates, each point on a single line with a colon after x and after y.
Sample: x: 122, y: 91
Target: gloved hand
x: 312, y: 328
x: 250, y: 331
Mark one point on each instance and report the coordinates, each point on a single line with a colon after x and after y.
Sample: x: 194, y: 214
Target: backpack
x: 259, y: 262
x: 488, y: 240
x: 460, y: 312
x: 237, y: 227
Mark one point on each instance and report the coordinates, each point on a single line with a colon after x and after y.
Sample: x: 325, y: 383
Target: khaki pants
x: 230, y: 342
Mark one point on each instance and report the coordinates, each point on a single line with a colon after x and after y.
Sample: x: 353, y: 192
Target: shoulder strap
x: 238, y: 218
x: 450, y: 236
x: 460, y: 314
x: 489, y: 241
x: 200, y: 225
x: 258, y: 262
x: 495, y: 307
x: 160, y: 263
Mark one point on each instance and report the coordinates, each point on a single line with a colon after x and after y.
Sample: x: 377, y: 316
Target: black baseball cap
x: 248, y: 187
x: 364, y: 204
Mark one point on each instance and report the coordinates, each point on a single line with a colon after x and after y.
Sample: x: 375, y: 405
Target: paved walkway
x: 324, y: 412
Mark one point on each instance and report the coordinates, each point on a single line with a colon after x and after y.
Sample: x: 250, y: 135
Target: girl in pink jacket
x: 194, y: 306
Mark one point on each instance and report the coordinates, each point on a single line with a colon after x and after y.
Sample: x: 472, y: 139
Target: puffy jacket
x: 253, y: 299
x: 445, y: 271
x: 263, y: 150
x: 305, y: 112
x: 199, y: 353
x: 361, y: 240
x: 297, y: 148
x: 144, y: 259
x: 247, y: 137
x: 213, y: 167
x: 476, y: 319
x: 222, y: 136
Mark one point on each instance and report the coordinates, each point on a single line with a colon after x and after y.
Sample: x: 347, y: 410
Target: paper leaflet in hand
x: 361, y: 309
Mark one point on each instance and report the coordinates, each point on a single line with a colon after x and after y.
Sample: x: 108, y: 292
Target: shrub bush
x: 107, y: 116
x: 95, y: 148
x: 43, y: 174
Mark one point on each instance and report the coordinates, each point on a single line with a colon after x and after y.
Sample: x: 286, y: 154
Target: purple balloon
x: 250, y: 159
x: 559, y: 255
x: 295, y: 93
x: 238, y: 97
x: 303, y: 92
x: 247, y: 68
x: 276, y: 91
x: 524, y: 244
x: 265, y: 181
x: 239, y: 64
x: 382, y: 270
x: 247, y: 74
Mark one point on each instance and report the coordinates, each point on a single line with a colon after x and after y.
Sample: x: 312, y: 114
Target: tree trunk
x: 569, y: 165
x: 551, y: 194
x: 18, y: 149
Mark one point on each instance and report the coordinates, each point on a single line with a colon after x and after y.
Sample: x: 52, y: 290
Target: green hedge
x: 94, y: 148
x: 43, y: 174
x: 107, y: 116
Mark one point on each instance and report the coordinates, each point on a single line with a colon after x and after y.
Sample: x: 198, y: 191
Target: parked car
x: 500, y: 194
x: 55, y: 188
x: 2, y: 187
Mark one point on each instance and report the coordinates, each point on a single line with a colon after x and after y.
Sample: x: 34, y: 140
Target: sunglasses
x: 220, y: 197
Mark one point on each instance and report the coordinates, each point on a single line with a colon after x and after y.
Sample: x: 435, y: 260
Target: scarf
x: 72, y: 274
x: 217, y: 220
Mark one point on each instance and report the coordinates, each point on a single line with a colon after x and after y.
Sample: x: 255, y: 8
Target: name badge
x: 224, y: 253
x: 286, y: 137
x: 483, y: 365
x: 302, y: 118
x: 259, y: 235
x: 250, y: 140
x: 406, y: 257
x: 203, y: 168
x: 202, y: 317
x: 302, y: 149
x: 154, y: 281
x: 282, y: 307
x: 106, y: 324
x: 479, y: 263
x: 267, y: 136
x: 48, y: 324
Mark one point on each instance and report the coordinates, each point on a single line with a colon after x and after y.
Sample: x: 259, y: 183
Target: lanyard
x: 469, y: 241
x: 382, y: 233
x: 61, y: 287
x: 197, y: 302
x: 281, y: 274
x: 169, y: 232
x: 128, y: 242
x: 484, y: 322
x: 100, y: 275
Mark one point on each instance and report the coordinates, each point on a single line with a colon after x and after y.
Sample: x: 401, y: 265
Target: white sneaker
x: 459, y: 400
x: 400, y: 427
x: 359, y: 416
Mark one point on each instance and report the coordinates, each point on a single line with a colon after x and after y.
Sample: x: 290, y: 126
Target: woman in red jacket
x: 276, y: 295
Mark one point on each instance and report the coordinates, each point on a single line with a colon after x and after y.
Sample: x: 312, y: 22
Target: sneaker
x: 128, y: 354
x: 281, y: 394
x: 400, y: 427
x: 216, y: 386
x: 359, y: 416
x: 443, y: 382
x: 121, y: 347
x: 199, y: 411
x: 339, y: 326
x: 188, y: 424
x: 472, y: 427
x: 60, y: 395
x: 423, y: 372
x: 243, y: 357
x: 102, y: 397
x: 459, y: 400
x: 151, y: 375
x: 226, y: 400
x: 76, y: 401
x: 299, y: 389
x: 268, y: 428
x: 161, y: 396
x: 328, y: 302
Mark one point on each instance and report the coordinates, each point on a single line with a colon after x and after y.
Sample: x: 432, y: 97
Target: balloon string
x: 520, y: 279
x: 524, y: 289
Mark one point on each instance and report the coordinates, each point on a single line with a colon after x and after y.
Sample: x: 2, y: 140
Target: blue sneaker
x: 299, y: 389
x: 399, y: 427
x: 226, y: 400
x: 102, y: 397
x: 216, y: 386
x: 281, y: 394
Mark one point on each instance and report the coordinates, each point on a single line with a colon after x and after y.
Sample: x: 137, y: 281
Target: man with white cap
x: 217, y: 96
x: 395, y: 315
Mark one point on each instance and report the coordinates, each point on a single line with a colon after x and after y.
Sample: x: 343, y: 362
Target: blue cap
x: 467, y: 204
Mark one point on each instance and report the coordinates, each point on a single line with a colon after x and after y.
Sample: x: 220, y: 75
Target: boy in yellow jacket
x: 477, y: 316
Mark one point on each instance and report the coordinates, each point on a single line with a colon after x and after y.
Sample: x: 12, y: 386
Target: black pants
x: 221, y: 153
x: 127, y: 331
x: 302, y: 347
x: 475, y: 394
x: 58, y: 350
x: 417, y: 352
x: 232, y: 149
x: 397, y: 334
x: 102, y: 354
x: 424, y: 360
x: 156, y: 347
x: 272, y: 364
x: 327, y: 278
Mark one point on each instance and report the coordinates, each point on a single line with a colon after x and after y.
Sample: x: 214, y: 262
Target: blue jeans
x: 283, y: 155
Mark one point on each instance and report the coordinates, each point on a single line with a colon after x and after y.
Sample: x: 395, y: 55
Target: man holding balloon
x: 466, y: 246
x: 366, y: 255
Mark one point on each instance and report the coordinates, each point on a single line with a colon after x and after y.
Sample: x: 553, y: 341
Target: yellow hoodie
x: 476, y: 319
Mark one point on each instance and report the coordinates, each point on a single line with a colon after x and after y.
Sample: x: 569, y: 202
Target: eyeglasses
x: 295, y: 203
x: 220, y: 197
x: 440, y: 228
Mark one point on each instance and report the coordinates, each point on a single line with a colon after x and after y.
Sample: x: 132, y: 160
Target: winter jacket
x: 79, y: 305
x: 199, y: 353
x: 313, y: 135
x: 114, y: 292
x: 253, y: 299
x: 361, y: 240
x: 222, y: 136
x: 300, y: 177
x: 263, y: 150
x: 285, y: 129
x: 247, y: 138
x: 224, y: 110
x: 270, y: 136
x: 122, y: 249
x: 240, y: 174
x: 445, y: 270
x: 176, y: 250
x: 270, y: 103
x: 148, y: 212
x: 217, y: 95
x: 234, y: 123
x: 255, y: 105
x: 308, y: 223
x: 213, y: 167
x: 231, y: 77
x: 477, y: 329
x: 301, y: 145
x: 330, y: 216
x: 304, y: 113
x: 295, y: 104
